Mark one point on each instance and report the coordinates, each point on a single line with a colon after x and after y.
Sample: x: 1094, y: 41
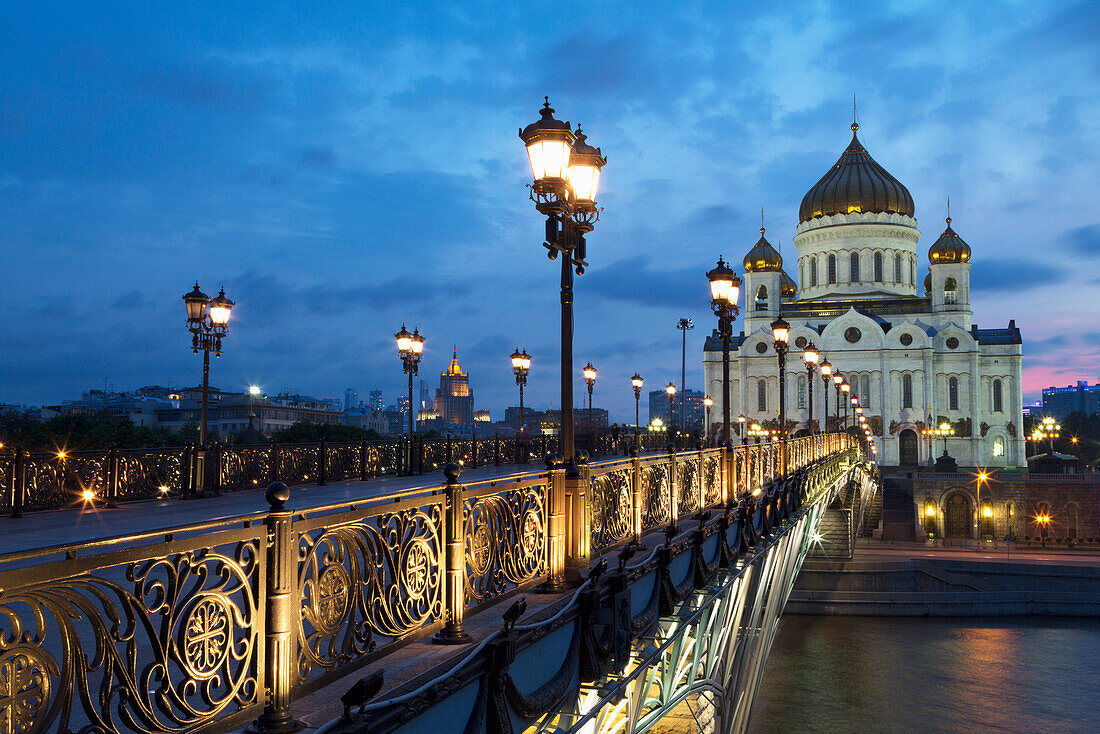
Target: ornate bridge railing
x: 50, y: 480
x: 203, y: 627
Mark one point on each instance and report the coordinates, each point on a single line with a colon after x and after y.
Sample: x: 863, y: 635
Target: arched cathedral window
x: 800, y: 392
x: 997, y: 399
x: 953, y: 393
x: 912, y: 271
x: 878, y: 267
x: 897, y: 268
x: 761, y: 396
x: 855, y: 267
x: 865, y: 391
x: 762, y: 298
x: 813, y: 270
x: 907, y: 391
x: 950, y: 291
x: 832, y: 269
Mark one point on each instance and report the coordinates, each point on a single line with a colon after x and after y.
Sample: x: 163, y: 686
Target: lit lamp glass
x: 404, y: 340
x: 220, y: 307
x: 826, y: 368
x: 585, y: 163
x: 589, y: 373
x: 838, y: 380
x: 810, y: 354
x: 254, y: 390
x: 196, y: 302
x: 416, y: 342
x: 781, y: 331
x: 725, y: 286
x: 636, y: 381
x: 707, y: 402
x: 671, y: 389
x: 549, y: 144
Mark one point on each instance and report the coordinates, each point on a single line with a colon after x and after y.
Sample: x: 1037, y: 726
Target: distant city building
x: 482, y: 416
x: 234, y: 412
x: 351, y: 398
x: 1080, y: 398
x: 425, y: 395
x: 549, y: 421
x: 454, y: 401
x: 658, y: 407
x: 140, y: 406
x: 374, y: 402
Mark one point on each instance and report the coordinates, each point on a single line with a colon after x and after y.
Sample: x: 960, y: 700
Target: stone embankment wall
x: 938, y: 587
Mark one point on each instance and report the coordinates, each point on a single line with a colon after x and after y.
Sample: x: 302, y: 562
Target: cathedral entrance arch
x: 907, y: 448
x: 957, y: 515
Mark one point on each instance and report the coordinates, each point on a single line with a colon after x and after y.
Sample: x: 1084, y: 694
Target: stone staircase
x: 835, y: 535
x: 872, y: 516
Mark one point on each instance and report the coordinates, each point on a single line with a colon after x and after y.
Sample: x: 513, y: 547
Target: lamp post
x: 208, y: 322
x: 845, y: 390
x: 253, y: 392
x: 810, y: 355
x: 724, y: 289
x: 409, y: 348
x: 590, y: 381
x: 837, y: 379
x: 944, y: 430
x: 670, y: 390
x: 684, y: 325
x: 781, y: 333
x: 637, y: 382
x: 708, y: 403
x: 741, y: 428
x: 521, y: 365
x: 826, y: 377
x: 566, y: 173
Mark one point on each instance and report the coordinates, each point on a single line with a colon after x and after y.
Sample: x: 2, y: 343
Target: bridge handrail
x: 307, y: 595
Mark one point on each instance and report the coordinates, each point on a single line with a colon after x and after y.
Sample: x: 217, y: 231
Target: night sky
x: 341, y: 170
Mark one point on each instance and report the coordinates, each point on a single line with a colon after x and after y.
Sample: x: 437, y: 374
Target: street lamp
x: 810, y: 355
x: 724, y: 289
x: 409, y: 348
x: 566, y: 173
x: 208, y: 322
x: 253, y: 392
x: 708, y: 403
x: 590, y: 381
x: 826, y: 377
x: 637, y: 382
x: 845, y: 388
x: 837, y: 380
x: 781, y: 334
x: 521, y: 365
x: 684, y: 325
x: 670, y: 390
x: 741, y: 428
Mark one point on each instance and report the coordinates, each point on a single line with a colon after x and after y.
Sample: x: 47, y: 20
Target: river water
x: 927, y: 675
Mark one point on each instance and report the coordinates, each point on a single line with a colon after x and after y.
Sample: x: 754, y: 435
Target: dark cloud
x: 1085, y: 240
x: 1014, y: 275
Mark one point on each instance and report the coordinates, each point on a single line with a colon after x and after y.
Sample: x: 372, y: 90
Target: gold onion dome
x: 788, y: 289
x: 763, y: 257
x: 855, y: 184
x: 949, y: 248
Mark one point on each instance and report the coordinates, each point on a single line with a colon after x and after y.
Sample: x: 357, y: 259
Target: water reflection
x: 869, y: 674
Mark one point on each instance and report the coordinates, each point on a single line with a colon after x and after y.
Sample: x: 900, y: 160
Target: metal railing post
x: 111, y: 484
x: 273, y: 461
x: 555, y: 526
x: 185, y: 471
x: 454, y: 576
x: 19, y: 482
x: 577, y: 559
x: 699, y: 476
x: 473, y: 448
x: 322, y: 463
x: 281, y: 610
x: 637, y: 492
x: 364, y: 472
x: 673, y: 487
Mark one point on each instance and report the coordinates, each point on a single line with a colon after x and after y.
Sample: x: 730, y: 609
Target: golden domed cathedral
x: 906, y: 344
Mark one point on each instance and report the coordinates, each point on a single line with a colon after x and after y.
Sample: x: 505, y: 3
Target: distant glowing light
x: 89, y: 495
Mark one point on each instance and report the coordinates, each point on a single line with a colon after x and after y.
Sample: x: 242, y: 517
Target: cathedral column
x: 975, y: 414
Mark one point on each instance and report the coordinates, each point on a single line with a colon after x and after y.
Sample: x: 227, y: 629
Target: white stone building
x: 912, y: 354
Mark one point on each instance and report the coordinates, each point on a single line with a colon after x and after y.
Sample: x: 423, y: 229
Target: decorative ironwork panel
x: 505, y: 539
x: 342, y: 461
x: 298, y: 463
x: 146, y: 473
x: 435, y: 454
x: 244, y: 467
x: 688, y: 484
x: 54, y: 482
x: 6, y: 467
x: 366, y: 582
x: 486, y: 450
x: 658, y: 505
x: 612, y: 508
x: 712, y: 480
x: 462, y: 451
x: 165, y: 639
x: 384, y: 458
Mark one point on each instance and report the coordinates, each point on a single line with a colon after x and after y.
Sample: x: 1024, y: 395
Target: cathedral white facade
x: 908, y: 347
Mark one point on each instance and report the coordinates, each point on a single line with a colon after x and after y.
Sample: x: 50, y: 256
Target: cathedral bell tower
x: 764, y: 285
x: 949, y: 278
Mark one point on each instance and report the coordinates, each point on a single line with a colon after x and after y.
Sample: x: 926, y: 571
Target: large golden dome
x: 788, y: 288
x: 855, y: 184
x: 762, y: 257
x: 949, y: 248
